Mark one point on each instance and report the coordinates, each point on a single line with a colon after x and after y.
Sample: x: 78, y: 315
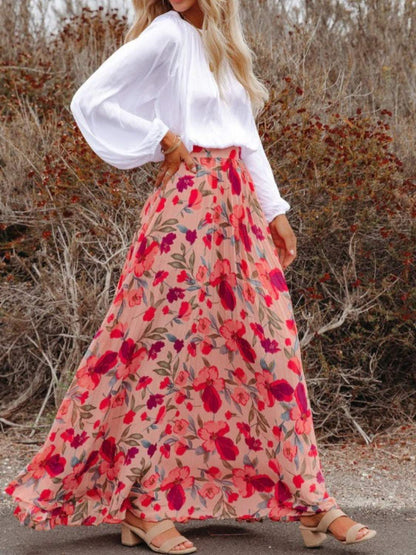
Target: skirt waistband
x: 225, y: 152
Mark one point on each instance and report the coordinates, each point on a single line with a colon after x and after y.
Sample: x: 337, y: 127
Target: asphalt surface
x: 396, y: 535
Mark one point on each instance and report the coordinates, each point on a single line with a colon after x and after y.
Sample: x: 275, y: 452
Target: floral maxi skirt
x: 190, y: 402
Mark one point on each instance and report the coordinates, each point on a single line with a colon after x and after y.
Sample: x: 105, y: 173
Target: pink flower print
x: 209, y: 490
x: 176, y: 482
x: 225, y: 281
x: 180, y: 426
x: 181, y: 378
x: 135, y: 296
x: 128, y: 353
x: 271, y: 389
x: 240, y: 396
x: 152, y: 481
x: 233, y: 331
x: 63, y: 409
x: 213, y: 434
x: 208, y: 381
x: 73, y: 480
x: 249, y: 293
x: 301, y: 414
x: 276, y: 510
x: 247, y: 481
x: 289, y: 450
x: 295, y: 365
x: 89, y: 375
x: 204, y: 325
x: 208, y: 162
x: 119, y: 399
x: 45, y: 461
x: 145, y: 257
x: 201, y: 274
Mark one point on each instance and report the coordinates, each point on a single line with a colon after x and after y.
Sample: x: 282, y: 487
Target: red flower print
x: 213, y: 435
x: 145, y: 257
x: 45, y: 461
x: 112, y: 461
x: 234, y: 178
x: 237, y: 218
x: 282, y: 492
x: 185, y: 311
x: 244, y: 428
x: 128, y: 353
x: 233, y: 331
x: 295, y: 365
x: 272, y: 279
x: 275, y: 466
x: 271, y: 389
x: 208, y: 381
x: 176, y: 481
x: 301, y: 414
x: 247, y: 481
x: 298, y: 480
x: 291, y: 326
x: 119, y: 330
x: 143, y: 382
x: 195, y: 199
x: 129, y: 416
x: 225, y: 280
x: 88, y: 376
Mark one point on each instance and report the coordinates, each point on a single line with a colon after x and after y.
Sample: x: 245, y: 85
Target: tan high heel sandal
x: 132, y: 535
x: 313, y: 536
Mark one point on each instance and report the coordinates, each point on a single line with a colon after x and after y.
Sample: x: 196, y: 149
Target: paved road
x: 396, y: 535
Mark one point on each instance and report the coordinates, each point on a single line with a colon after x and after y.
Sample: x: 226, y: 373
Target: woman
x: 190, y: 402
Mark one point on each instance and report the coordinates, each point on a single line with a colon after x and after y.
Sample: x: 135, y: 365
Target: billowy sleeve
x: 261, y: 172
x: 115, y: 107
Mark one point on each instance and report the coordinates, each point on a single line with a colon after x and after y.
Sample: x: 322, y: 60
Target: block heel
x: 310, y: 538
x: 128, y: 537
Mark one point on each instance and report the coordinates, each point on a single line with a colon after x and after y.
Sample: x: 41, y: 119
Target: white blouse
x: 159, y: 81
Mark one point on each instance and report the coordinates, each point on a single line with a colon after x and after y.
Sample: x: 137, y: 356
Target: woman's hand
x: 284, y: 239
x: 172, y: 161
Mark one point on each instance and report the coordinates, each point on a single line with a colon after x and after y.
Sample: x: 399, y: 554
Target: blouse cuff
x: 157, y: 131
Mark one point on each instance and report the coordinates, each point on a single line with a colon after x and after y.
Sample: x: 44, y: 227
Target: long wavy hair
x: 223, y: 39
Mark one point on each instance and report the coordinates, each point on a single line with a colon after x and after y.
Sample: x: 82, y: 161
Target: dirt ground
x: 381, y: 475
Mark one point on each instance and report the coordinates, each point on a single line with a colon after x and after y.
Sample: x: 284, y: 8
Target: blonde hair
x: 223, y: 39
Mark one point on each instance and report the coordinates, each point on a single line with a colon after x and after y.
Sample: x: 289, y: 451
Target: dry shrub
x: 337, y: 151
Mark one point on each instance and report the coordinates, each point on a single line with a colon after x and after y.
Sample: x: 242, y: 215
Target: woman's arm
x: 115, y: 107
x: 267, y: 190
